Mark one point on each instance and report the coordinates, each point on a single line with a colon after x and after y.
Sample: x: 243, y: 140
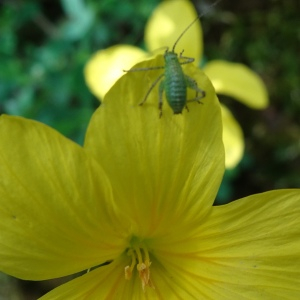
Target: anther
x: 142, y: 262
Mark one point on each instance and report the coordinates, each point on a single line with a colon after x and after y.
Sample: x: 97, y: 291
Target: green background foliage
x: 45, y: 45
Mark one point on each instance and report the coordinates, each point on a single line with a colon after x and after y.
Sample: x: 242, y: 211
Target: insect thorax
x: 170, y: 56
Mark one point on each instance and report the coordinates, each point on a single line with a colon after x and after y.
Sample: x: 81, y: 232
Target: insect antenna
x: 198, y: 17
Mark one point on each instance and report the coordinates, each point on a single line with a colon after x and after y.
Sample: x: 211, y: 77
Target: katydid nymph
x: 174, y: 82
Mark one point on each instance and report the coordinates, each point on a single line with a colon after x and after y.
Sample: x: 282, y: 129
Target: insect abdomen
x: 175, y: 85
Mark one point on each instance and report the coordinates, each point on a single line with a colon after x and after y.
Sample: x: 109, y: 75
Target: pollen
x: 140, y: 259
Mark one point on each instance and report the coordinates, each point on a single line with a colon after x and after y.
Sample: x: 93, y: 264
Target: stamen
x: 128, y: 270
x: 143, y: 265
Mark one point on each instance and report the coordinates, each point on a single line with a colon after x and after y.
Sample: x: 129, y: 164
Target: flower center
x: 140, y: 259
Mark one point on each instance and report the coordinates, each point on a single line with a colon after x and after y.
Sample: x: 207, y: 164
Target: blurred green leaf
x: 80, y: 19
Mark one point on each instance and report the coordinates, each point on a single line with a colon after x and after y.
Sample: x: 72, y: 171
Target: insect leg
x: 151, y: 88
x: 187, y: 60
x: 191, y: 83
x: 144, y: 69
x: 160, y: 99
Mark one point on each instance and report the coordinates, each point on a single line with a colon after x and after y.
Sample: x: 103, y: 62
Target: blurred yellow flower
x: 162, y: 30
x: 139, y: 196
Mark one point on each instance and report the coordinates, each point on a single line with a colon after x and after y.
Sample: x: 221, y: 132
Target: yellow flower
x: 139, y: 196
x: 162, y: 30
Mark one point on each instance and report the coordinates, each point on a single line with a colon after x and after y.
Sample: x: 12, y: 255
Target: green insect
x: 175, y: 82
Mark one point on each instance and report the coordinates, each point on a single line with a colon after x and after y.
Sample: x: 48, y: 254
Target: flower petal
x: 166, y: 24
x: 106, y: 66
x: 248, y: 249
x: 165, y: 170
x: 106, y: 282
x: 233, y: 139
x: 55, y: 204
x: 238, y: 81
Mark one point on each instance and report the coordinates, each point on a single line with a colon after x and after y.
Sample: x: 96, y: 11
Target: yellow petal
x: 167, y: 23
x: 237, y: 81
x: 248, y: 249
x: 55, y: 212
x: 106, y: 66
x: 165, y: 170
x: 106, y: 282
x: 233, y: 139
